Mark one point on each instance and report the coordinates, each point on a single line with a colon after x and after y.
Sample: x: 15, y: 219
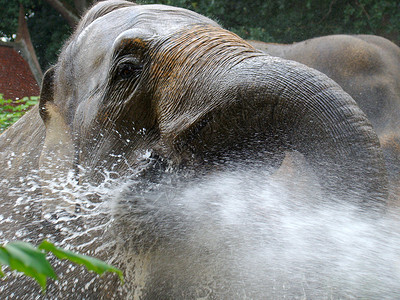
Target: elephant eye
x: 129, y: 70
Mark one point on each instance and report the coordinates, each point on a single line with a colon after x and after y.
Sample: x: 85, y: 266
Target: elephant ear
x: 57, y: 157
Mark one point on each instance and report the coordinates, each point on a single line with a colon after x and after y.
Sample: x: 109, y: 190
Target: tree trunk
x: 66, y: 12
x: 23, y: 44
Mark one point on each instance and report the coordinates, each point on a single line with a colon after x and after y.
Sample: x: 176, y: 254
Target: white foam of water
x: 268, y: 238
x: 237, y: 235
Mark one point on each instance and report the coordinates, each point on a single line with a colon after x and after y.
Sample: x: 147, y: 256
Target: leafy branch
x: 24, y: 257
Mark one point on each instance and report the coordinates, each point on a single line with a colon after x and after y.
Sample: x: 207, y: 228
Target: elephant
x: 145, y: 91
x: 365, y: 66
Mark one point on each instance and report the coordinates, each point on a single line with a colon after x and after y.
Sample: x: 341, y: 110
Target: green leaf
x: 91, y: 263
x: 4, y: 257
x: 25, y: 258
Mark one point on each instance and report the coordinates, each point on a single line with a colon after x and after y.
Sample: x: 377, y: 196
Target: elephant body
x: 365, y: 66
x: 156, y: 97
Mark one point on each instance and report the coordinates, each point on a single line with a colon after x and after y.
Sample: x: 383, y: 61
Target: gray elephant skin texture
x: 153, y: 92
x: 365, y: 66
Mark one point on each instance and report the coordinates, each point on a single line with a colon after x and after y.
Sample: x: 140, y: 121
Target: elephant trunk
x: 314, y: 116
x: 269, y: 105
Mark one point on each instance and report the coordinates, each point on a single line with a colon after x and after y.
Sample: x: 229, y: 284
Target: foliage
x: 287, y: 21
x: 91, y: 263
x: 282, y: 21
x: 23, y: 257
x: 32, y: 261
x: 12, y: 110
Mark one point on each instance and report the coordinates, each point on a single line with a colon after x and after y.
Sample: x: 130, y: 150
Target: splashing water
x: 240, y: 234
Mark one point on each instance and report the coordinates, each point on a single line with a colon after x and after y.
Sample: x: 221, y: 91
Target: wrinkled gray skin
x: 135, y: 78
x: 365, y: 66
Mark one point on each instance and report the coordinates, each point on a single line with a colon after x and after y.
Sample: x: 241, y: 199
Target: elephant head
x: 135, y: 79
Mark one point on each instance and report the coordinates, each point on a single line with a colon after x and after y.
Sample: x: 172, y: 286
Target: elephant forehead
x: 157, y: 20
x: 85, y: 61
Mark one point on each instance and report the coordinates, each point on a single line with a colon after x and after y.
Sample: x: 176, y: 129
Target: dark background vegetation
x: 281, y: 21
